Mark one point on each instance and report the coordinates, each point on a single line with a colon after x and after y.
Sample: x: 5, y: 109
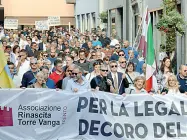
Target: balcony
x: 70, y: 1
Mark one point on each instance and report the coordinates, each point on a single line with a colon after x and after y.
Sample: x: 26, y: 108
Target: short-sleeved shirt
x: 56, y: 77
x: 71, y: 85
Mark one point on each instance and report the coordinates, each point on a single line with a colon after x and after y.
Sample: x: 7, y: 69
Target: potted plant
x: 171, y: 23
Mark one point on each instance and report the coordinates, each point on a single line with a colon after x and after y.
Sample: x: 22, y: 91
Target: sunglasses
x: 67, y: 52
x: 70, y: 70
x: 74, y: 74
x: 97, y: 48
x: 123, y: 62
x: 117, y: 48
x: 121, y: 55
x: 114, y: 66
x: 106, y: 60
x: 97, y: 63
x: 45, y: 55
x: 104, y: 70
x: 34, y: 63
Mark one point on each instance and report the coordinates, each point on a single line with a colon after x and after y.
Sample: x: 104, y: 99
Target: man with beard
x: 95, y: 42
x: 82, y: 62
x: 102, y: 82
x: 53, y: 56
x: 78, y: 82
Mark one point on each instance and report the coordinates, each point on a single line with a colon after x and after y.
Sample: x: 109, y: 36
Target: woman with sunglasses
x: 95, y: 72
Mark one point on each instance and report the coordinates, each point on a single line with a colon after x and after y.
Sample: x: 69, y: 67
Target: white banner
x: 37, y: 114
x: 54, y: 20
x: 11, y: 23
x: 42, y: 25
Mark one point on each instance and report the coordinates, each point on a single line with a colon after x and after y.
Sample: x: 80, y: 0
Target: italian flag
x: 150, y: 55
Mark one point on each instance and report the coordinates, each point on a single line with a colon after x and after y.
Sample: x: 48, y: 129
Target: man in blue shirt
x: 78, y: 82
x: 126, y: 49
x: 30, y: 75
x: 95, y: 42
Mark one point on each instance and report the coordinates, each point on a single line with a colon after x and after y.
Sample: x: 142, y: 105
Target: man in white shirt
x: 78, y: 82
x: 23, y: 65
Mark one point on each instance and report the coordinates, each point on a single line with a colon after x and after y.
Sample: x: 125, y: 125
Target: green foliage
x: 171, y: 23
x: 104, y: 17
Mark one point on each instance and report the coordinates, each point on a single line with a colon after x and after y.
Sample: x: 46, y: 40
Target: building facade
x: 27, y: 12
x: 87, y: 14
x: 125, y: 16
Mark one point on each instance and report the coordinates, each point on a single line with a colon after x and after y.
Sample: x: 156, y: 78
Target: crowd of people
x: 74, y: 61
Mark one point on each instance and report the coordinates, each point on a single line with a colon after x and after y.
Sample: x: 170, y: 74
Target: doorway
x: 1, y: 15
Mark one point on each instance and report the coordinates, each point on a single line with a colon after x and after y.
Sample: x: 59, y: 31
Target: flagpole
x: 132, y: 49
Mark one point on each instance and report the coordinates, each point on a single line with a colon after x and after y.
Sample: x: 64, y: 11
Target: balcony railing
x: 70, y: 1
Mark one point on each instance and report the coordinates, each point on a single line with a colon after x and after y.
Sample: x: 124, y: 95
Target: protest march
x: 60, y: 83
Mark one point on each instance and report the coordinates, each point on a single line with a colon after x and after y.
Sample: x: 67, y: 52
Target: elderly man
x: 30, y: 75
x: 102, y: 82
x: 126, y: 49
x: 119, y: 79
x: 78, y: 82
x: 182, y: 78
x: 132, y: 57
x: 67, y: 78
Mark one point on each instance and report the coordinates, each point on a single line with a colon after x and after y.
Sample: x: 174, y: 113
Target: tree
x: 104, y: 17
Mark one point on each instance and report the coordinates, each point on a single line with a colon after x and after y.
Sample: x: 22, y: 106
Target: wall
x: 114, y: 4
x: 86, y: 6
x: 154, y: 4
x: 38, y: 8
